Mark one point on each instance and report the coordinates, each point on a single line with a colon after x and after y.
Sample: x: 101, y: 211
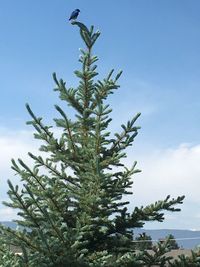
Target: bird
x: 74, y: 14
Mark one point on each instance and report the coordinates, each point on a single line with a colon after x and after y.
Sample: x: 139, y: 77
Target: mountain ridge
x: 187, y: 239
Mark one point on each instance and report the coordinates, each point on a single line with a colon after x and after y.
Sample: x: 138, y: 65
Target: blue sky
x: 156, y: 44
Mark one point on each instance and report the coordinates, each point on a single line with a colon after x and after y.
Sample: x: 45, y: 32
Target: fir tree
x: 172, y: 242
x: 70, y: 207
x: 144, y: 241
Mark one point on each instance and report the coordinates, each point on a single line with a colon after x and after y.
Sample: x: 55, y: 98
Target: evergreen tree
x: 144, y: 242
x: 70, y: 207
x: 172, y: 242
x: 157, y: 256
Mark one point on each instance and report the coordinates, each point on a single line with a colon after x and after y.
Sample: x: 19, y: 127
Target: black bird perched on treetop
x: 74, y: 14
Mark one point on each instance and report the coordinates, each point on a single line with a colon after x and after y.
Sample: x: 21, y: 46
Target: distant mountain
x: 12, y: 225
x: 157, y: 234
x: 179, y: 234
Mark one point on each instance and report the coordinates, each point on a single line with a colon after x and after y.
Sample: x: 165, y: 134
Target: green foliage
x: 172, y: 242
x: 157, y: 257
x: 70, y: 206
x: 187, y: 261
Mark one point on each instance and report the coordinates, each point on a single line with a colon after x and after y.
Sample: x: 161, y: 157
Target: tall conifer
x: 71, y: 210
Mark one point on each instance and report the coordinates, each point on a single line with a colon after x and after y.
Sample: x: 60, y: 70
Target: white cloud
x: 170, y: 171
x: 7, y: 214
x: 13, y: 144
x: 175, y: 172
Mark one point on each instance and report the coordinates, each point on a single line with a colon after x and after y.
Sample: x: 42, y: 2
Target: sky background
x: 156, y: 44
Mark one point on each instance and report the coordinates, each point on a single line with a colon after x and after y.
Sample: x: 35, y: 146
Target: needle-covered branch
x: 154, y: 212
